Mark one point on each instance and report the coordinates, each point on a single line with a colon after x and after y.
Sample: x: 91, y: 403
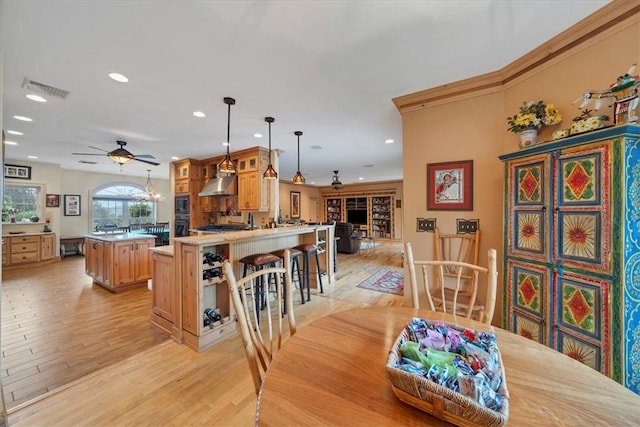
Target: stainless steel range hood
x: 224, y: 186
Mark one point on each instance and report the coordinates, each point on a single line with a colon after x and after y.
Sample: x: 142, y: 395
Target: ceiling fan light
x: 227, y: 165
x: 120, y: 159
x: 298, y: 178
x: 270, y: 173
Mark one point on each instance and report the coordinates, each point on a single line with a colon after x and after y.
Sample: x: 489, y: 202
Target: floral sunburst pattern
x: 528, y: 328
x: 579, y: 237
x: 580, y: 351
x: 529, y: 232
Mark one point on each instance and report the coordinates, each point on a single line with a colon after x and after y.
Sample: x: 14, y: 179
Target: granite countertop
x: 31, y: 233
x: 162, y: 250
x: 266, y: 233
x: 118, y: 237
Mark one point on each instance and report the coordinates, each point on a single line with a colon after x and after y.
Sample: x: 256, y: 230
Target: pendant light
x: 270, y: 173
x: 298, y: 178
x: 227, y: 165
x: 149, y: 194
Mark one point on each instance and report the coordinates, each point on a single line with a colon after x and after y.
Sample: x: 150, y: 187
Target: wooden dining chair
x: 454, y: 299
x: 157, y: 232
x: 261, y: 341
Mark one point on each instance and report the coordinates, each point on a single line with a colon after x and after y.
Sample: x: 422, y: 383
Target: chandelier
x: 149, y: 194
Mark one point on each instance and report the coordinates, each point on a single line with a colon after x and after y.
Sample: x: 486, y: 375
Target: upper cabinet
x: 572, y: 245
x: 253, y: 189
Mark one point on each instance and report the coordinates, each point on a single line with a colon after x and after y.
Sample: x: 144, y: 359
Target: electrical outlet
x: 467, y: 226
x: 425, y: 224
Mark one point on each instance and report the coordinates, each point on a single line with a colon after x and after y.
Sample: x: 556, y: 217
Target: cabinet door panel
x: 583, y: 220
x: 581, y: 314
x: 528, y: 295
x: 528, y: 216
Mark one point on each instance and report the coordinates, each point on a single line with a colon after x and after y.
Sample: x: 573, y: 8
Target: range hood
x: 224, y: 186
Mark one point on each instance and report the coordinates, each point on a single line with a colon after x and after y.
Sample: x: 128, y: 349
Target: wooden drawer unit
x: 24, y: 249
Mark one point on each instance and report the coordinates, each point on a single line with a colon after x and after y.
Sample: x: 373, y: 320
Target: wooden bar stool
x: 294, y: 254
x: 257, y: 262
x: 307, y: 250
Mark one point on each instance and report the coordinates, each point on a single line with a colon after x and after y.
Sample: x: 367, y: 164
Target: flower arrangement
x: 534, y: 115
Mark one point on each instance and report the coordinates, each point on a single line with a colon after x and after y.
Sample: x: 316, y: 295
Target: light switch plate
x: 467, y: 226
x: 425, y: 224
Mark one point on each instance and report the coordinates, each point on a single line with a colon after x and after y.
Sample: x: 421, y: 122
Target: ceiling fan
x: 121, y: 156
x: 335, y: 183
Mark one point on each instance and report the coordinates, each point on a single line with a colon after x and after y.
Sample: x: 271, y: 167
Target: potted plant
x: 531, y: 117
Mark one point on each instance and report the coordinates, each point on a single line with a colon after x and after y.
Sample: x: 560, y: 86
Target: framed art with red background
x: 450, y: 186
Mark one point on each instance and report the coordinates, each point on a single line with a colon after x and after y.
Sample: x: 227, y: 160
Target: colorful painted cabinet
x: 572, y: 248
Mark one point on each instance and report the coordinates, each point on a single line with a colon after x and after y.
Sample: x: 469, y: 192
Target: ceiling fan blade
x: 88, y: 154
x: 145, y: 156
x: 146, y: 161
x: 96, y: 148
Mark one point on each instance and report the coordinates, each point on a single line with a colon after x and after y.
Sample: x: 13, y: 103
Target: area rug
x: 389, y: 280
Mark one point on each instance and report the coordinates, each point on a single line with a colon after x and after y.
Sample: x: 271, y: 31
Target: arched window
x: 115, y: 204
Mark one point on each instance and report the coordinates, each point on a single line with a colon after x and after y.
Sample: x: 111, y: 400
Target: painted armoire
x: 572, y: 248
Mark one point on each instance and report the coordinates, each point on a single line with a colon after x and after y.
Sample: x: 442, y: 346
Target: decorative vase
x: 13, y: 219
x: 528, y: 137
x: 35, y: 218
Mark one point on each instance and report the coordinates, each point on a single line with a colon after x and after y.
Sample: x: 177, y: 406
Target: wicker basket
x: 440, y: 401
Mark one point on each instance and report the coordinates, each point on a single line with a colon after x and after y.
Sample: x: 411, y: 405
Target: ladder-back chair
x: 454, y: 299
x: 260, y: 340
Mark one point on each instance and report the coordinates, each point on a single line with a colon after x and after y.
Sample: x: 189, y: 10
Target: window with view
x: 22, y: 202
x: 116, y: 205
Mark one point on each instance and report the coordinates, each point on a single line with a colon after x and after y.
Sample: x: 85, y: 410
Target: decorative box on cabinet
x: 199, y: 292
x: 572, y: 248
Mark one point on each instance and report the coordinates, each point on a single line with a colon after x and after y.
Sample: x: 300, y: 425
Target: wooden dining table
x: 332, y: 372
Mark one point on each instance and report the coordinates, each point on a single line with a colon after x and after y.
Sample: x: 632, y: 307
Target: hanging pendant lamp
x: 270, y: 173
x: 149, y: 194
x: 298, y: 178
x: 227, y: 165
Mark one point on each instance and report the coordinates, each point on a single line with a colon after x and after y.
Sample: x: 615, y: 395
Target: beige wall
x: 309, y: 201
x: 475, y: 128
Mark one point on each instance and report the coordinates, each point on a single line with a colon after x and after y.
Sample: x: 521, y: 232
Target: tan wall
x: 309, y: 201
x: 475, y: 128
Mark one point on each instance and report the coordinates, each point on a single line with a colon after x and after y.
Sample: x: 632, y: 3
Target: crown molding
x: 603, y: 19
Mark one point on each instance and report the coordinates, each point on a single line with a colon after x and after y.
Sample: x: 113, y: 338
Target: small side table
x: 76, y: 243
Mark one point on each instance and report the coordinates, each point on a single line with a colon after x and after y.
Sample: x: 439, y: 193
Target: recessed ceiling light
x: 360, y: 178
x: 119, y: 77
x: 23, y: 118
x: 175, y: 158
x: 32, y: 157
x: 36, y: 98
x: 15, y: 132
x: 199, y: 114
x: 224, y: 144
x: 389, y: 141
x: 11, y: 143
x: 257, y: 135
x: 316, y: 147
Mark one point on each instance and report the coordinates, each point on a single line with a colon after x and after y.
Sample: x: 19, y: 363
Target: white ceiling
x: 327, y: 68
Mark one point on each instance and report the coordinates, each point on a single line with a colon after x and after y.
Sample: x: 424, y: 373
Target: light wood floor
x: 169, y: 384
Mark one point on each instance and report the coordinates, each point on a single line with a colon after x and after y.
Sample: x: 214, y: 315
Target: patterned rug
x: 389, y: 280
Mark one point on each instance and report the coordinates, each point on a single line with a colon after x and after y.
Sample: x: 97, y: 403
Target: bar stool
x: 257, y: 262
x: 307, y: 250
x: 294, y: 255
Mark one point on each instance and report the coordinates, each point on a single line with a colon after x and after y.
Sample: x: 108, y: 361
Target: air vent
x: 87, y: 162
x: 43, y: 88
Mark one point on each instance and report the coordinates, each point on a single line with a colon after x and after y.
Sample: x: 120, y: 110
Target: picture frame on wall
x: 450, y: 186
x: 17, y: 171
x: 295, y: 204
x: 52, y: 200
x: 71, y: 205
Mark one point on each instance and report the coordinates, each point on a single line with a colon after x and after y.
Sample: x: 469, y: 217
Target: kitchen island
x: 119, y: 261
x: 182, y: 290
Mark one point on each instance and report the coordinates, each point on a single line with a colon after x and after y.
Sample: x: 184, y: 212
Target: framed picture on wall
x: 71, y: 205
x: 53, y: 200
x: 295, y: 204
x: 17, y: 171
x: 450, y: 186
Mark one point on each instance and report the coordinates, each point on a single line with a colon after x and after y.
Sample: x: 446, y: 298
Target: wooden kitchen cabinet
x: 119, y: 265
x: 253, y: 190
x: 47, y: 246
